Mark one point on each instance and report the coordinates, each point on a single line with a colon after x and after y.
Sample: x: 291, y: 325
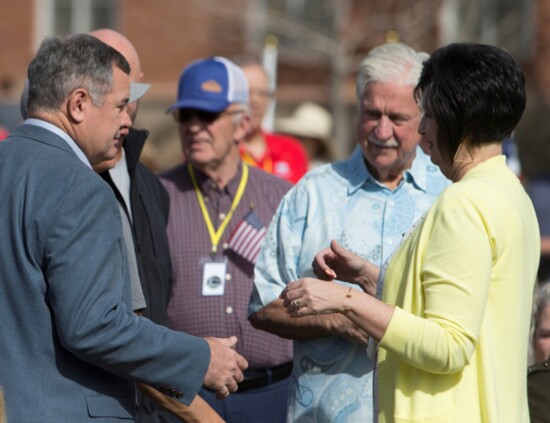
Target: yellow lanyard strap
x: 215, y: 236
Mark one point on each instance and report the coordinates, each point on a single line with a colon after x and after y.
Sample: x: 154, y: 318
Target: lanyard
x: 215, y: 236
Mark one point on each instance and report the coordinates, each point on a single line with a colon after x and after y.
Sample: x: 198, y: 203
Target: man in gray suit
x: 71, y: 349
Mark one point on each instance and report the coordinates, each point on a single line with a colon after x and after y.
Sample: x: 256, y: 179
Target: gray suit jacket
x: 70, y: 347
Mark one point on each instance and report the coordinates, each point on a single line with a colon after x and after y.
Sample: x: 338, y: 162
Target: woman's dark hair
x: 472, y: 91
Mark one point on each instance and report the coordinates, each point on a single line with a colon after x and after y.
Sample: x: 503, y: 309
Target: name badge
x: 213, y: 277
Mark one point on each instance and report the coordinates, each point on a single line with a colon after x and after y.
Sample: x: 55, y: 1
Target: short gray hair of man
x: 63, y: 64
x: 389, y: 63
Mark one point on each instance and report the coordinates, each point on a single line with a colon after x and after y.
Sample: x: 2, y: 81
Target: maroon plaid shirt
x: 219, y: 316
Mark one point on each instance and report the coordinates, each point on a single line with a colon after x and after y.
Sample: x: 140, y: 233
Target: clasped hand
x: 308, y: 296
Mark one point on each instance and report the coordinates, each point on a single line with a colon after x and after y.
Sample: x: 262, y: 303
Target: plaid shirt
x: 219, y: 316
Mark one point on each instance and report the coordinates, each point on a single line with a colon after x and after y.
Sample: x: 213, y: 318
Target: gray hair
x: 63, y: 64
x: 390, y: 62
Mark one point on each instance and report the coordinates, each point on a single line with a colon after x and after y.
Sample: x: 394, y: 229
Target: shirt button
x: 228, y: 276
x: 229, y: 310
x: 390, y: 241
x: 222, y: 216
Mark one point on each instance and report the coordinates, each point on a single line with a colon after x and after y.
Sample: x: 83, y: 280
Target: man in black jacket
x: 148, y: 212
x: 142, y: 197
x: 144, y: 205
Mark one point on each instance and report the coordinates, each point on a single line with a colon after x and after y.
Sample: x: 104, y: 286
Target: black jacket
x: 150, y: 206
x: 538, y: 392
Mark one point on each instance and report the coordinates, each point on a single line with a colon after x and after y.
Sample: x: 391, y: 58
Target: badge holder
x: 213, y: 276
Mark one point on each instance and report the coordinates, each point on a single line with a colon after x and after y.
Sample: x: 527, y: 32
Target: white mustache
x: 391, y: 143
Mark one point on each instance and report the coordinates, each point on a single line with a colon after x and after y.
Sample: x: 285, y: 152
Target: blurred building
x: 319, y: 43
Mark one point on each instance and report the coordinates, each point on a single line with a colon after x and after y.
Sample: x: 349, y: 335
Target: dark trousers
x: 267, y: 404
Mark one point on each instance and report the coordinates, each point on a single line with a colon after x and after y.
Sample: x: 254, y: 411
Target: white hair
x: 390, y: 62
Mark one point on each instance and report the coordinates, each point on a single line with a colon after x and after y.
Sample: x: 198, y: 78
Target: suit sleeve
x: 87, y: 287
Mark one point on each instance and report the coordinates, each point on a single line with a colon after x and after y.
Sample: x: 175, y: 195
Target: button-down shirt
x: 224, y: 315
x: 333, y: 377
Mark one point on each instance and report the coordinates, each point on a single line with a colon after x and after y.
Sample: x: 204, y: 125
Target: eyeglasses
x: 185, y: 115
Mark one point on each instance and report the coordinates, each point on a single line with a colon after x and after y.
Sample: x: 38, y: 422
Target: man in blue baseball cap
x: 219, y: 208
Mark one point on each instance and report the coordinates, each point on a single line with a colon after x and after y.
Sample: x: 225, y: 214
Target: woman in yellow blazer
x: 452, y: 321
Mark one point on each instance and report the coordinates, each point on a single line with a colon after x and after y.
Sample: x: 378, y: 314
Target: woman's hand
x: 308, y: 296
x: 336, y: 262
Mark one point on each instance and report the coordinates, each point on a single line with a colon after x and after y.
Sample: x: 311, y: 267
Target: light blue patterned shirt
x: 332, y: 377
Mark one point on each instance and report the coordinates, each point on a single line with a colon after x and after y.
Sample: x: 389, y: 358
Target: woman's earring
x: 457, y: 160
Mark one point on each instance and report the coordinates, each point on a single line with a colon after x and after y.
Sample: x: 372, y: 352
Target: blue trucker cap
x: 211, y: 85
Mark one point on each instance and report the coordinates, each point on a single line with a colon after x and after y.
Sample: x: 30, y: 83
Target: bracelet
x: 348, y: 295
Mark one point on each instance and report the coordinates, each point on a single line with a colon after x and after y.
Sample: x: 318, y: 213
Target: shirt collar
x: 358, y: 172
x: 52, y: 128
x: 207, y: 186
x: 417, y: 174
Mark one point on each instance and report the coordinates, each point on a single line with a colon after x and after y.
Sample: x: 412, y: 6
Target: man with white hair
x: 366, y: 203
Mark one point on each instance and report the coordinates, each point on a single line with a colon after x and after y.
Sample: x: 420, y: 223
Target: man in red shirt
x: 3, y: 133
x: 278, y: 154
